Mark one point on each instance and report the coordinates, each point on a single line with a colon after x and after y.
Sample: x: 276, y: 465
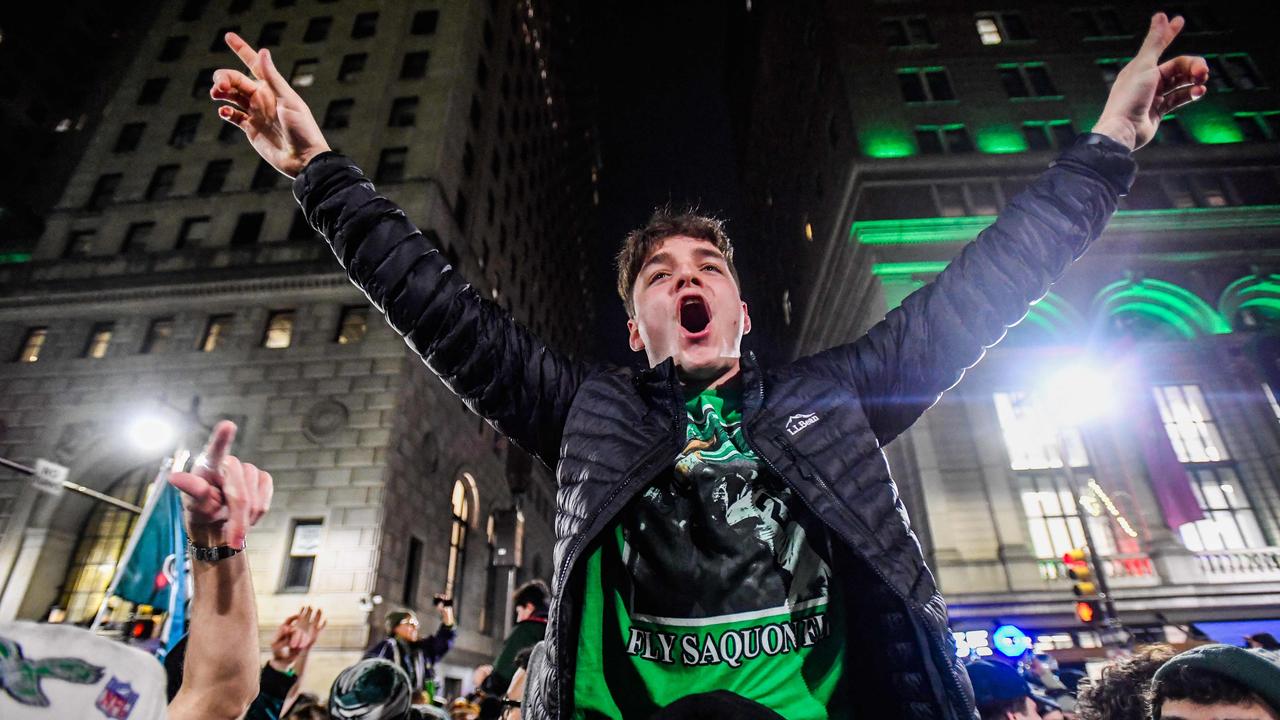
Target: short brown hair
x: 1120, y: 693
x: 665, y: 223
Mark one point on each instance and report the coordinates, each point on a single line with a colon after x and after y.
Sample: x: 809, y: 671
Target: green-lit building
x: 884, y: 136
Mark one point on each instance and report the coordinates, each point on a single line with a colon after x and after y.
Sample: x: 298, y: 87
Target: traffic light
x: 139, y: 629
x: 1088, y: 612
x: 1078, y: 569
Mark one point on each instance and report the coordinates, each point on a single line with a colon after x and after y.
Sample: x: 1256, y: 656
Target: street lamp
x: 151, y: 434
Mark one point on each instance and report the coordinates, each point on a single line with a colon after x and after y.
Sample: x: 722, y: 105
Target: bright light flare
x: 151, y: 434
x: 1078, y: 394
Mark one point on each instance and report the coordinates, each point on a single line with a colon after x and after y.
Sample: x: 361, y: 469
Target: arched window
x: 462, y: 509
x: 102, y: 541
x: 1050, y: 321
x: 1252, y: 303
x: 1150, y: 309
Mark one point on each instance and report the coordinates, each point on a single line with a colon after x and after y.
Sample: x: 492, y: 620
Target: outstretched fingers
x: 1184, y: 70
x: 272, y: 76
x: 247, y: 54
x: 1159, y: 36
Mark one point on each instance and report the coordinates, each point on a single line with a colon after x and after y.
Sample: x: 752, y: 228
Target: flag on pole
x: 153, y: 570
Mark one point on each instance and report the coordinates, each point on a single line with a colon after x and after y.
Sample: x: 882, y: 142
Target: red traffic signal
x: 141, y: 629
x: 1088, y: 612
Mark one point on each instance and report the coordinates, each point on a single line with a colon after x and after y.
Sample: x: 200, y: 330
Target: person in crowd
x: 1120, y: 692
x: 55, y: 671
x: 414, y: 654
x: 782, y: 469
x: 1000, y: 693
x: 281, y: 678
x: 1262, y: 641
x: 530, y: 601
x: 372, y: 689
x: 1216, y: 682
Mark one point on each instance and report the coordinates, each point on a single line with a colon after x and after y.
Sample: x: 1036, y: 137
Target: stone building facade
x: 885, y: 136
x: 176, y: 279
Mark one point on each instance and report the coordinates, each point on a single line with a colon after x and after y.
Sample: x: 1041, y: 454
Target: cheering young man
x: 727, y: 535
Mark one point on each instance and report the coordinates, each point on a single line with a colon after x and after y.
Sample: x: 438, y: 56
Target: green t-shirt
x: 710, y: 580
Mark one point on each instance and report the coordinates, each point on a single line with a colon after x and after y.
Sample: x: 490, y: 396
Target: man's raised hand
x: 277, y: 122
x: 1147, y: 90
x: 222, y: 496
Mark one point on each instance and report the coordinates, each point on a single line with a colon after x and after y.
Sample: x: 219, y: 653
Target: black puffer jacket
x: 819, y: 423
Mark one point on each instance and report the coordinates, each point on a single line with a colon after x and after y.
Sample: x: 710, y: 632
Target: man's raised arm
x: 922, y: 348
x: 501, y: 370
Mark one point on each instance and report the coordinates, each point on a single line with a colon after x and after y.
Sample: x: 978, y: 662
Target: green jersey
x: 716, y: 577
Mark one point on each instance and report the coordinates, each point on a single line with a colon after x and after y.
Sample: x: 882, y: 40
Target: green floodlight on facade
x: 1210, y: 125
x: 886, y: 142
x: 1163, y: 301
x: 1251, y: 292
x: 1001, y: 140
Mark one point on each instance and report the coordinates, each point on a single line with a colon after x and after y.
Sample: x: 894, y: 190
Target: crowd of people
x: 1214, y: 681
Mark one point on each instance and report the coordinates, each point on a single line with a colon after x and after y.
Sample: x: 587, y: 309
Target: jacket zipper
x: 822, y: 484
x: 570, y: 556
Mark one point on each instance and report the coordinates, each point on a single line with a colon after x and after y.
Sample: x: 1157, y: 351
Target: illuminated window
x: 304, y: 73
x: 317, y: 29
x: 1049, y: 503
x: 303, y: 549
x: 461, y: 509
x: 158, y: 334
x: 1027, y: 80
x: 930, y: 84
x: 100, y: 543
x: 354, y: 324
x: 996, y: 28
x: 99, y: 340
x: 1191, y: 429
x: 279, y: 332
x: 32, y: 344
x: 1229, y: 522
x: 215, y: 333
x: 905, y: 31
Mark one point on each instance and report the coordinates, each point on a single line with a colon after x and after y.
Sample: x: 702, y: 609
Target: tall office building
x: 177, y: 280
x: 884, y: 136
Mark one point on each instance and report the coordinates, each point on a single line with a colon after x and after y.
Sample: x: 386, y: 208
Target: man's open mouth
x: 695, y: 316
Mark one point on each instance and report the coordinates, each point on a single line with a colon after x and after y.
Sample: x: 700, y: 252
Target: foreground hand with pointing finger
x: 223, y: 497
x: 1146, y: 89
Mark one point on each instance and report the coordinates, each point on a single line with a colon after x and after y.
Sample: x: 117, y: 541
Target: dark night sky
x: 664, y: 118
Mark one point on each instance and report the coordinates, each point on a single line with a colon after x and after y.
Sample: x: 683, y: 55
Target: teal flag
x: 154, y: 571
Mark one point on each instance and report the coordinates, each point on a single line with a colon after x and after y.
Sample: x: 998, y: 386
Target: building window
x: 338, y: 114
x: 300, y: 229
x: 152, y: 91
x: 391, y: 165
x: 184, y: 130
x: 265, y: 177
x: 938, y: 139
x: 1027, y: 80
x: 79, y: 244
x: 1188, y: 191
x: 930, y: 84
x: 194, y: 232
x: 136, y: 237
x: 159, y: 332
x: 1190, y: 427
x: 1048, y: 134
x: 32, y: 344
x: 248, y: 228
x: 414, y: 65
x: 304, y: 73
x: 215, y: 332
x: 162, y: 181
x: 1050, y: 504
x: 468, y: 159
x: 99, y: 340
x: 404, y: 112
x: 1259, y: 126
x: 129, y: 137
x: 1229, y: 521
x: 424, y: 22
x: 215, y: 176
x: 228, y: 132
x: 1233, y: 71
x: 99, y: 546
x: 1171, y: 132
x: 475, y: 115
x: 412, y: 572
x: 219, y: 42
x: 303, y: 549
x: 906, y: 31
x: 203, y: 83
x: 317, y: 30
x: 461, y: 509
x: 482, y: 73
x: 460, y: 211
x: 173, y: 48
x: 272, y: 33
x: 104, y: 191
x: 1101, y: 22
x: 1110, y: 68
x: 365, y: 25
x: 1000, y: 27
x: 353, y: 324
x: 352, y: 67
x: 279, y: 332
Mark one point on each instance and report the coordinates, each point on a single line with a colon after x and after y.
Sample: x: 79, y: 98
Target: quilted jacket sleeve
x: 497, y: 367
x: 903, y: 364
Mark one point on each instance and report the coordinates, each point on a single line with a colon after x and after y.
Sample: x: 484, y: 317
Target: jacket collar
x: 661, y: 379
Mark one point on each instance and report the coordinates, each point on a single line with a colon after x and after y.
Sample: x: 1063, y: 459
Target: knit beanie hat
x: 372, y: 689
x: 1257, y: 671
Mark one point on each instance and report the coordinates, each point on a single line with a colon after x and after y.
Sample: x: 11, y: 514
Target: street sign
x: 49, y: 477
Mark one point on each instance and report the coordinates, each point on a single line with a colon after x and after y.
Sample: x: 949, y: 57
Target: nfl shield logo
x: 117, y: 699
